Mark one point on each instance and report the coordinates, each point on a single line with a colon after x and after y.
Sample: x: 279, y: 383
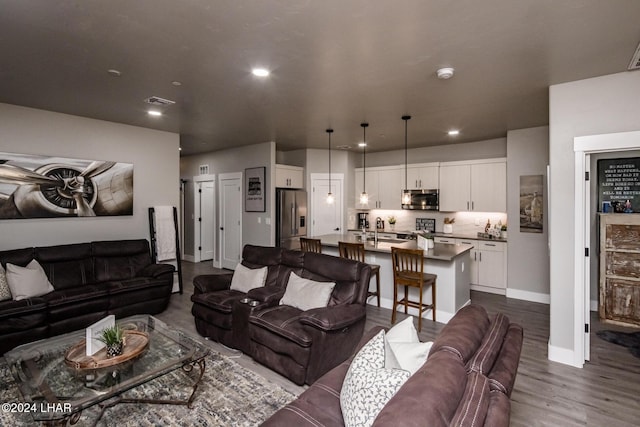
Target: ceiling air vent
x: 159, y: 102
x: 635, y: 60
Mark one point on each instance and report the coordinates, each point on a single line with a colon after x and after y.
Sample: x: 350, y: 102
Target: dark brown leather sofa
x: 91, y: 280
x: 301, y: 345
x: 467, y: 380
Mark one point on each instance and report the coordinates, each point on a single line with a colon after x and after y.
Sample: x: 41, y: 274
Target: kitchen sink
x: 385, y: 240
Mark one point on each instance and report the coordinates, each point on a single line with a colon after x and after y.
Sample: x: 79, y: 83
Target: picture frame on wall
x: 254, y: 189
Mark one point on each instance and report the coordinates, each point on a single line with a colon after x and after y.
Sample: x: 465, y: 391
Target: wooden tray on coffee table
x: 135, y: 343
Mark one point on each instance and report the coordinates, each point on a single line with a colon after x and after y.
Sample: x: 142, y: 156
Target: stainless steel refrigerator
x: 291, y: 217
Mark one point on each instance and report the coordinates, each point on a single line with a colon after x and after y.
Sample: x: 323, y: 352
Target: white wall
x: 528, y: 253
x: 229, y: 161
x: 601, y: 105
x: 154, y: 155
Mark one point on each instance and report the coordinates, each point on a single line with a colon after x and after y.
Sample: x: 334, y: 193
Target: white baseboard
x: 528, y: 296
x: 563, y: 355
x: 188, y: 258
x: 441, y: 316
x: 594, y: 305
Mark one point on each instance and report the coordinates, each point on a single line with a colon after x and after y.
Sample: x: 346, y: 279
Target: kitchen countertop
x: 440, y: 251
x: 438, y: 234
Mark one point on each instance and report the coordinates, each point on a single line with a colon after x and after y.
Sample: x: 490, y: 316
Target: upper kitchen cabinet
x: 383, y: 185
x: 479, y: 186
x: 422, y: 176
x: 289, y: 176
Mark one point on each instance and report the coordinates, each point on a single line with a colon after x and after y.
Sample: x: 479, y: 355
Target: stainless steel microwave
x: 426, y: 200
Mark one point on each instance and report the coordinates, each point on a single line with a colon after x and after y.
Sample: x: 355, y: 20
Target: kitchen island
x: 449, y: 261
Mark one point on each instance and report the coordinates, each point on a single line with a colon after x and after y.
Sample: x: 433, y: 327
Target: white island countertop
x: 440, y: 251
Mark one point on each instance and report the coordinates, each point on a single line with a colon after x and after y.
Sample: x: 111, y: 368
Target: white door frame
x: 583, y: 147
x: 339, y: 179
x: 222, y: 177
x: 196, y: 210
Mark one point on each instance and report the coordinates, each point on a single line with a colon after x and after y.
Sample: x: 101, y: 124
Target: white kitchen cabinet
x: 422, y: 176
x: 383, y: 185
x: 488, y: 269
x: 440, y: 239
x: 289, y: 176
x: 478, y: 186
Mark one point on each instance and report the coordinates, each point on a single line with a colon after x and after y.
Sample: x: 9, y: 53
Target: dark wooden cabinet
x: 620, y: 268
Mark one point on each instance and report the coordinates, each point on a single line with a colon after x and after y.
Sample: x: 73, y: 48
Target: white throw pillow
x: 5, y: 292
x: 27, y: 282
x: 306, y: 294
x: 244, y: 279
x: 403, y: 347
x: 368, y: 385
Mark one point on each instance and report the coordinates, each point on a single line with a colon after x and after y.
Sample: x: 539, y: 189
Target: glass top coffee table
x: 58, y: 393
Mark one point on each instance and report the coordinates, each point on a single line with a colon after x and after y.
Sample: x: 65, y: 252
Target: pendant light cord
x: 406, y: 121
x: 329, y: 131
x: 364, y: 156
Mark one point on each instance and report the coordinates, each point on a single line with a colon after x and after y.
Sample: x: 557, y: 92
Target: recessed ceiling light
x: 114, y: 73
x: 154, y: 113
x: 445, y: 73
x: 260, y: 72
x: 454, y: 132
x: 176, y: 83
x: 362, y: 144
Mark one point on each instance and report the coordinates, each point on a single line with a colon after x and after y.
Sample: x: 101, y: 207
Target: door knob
x: 336, y: 229
x: 221, y: 228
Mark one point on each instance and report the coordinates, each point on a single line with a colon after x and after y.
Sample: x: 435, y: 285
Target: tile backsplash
x: 465, y: 222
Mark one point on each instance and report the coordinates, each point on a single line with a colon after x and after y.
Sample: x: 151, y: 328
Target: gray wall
x: 488, y: 149
x: 528, y: 253
x: 228, y: 161
x: 595, y: 106
x: 154, y: 155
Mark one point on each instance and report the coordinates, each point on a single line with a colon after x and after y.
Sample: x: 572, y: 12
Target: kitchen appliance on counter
x: 363, y: 220
x: 426, y: 200
x: 379, y: 223
x: 291, y: 217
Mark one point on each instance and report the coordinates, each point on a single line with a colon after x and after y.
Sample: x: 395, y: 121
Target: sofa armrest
x: 211, y: 283
x: 156, y: 270
x: 333, y: 317
x: 266, y: 294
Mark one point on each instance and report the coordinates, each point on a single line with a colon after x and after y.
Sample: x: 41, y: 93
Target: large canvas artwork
x: 531, y: 205
x: 47, y: 186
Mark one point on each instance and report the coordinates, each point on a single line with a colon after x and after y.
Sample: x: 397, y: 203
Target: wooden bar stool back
x: 310, y: 245
x: 408, y: 271
x: 355, y: 251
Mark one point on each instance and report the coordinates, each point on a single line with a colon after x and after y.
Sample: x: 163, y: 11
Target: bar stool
x: 408, y: 270
x: 310, y: 245
x: 355, y: 251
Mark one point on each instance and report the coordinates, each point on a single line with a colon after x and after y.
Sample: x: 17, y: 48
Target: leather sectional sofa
x: 91, y: 280
x: 300, y: 344
x: 467, y: 380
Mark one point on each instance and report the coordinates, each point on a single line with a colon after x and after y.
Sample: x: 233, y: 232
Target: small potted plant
x: 113, y: 338
x: 503, y: 231
x: 448, y: 225
x: 392, y: 221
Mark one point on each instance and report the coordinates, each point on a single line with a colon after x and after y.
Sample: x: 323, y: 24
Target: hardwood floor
x: 606, y: 392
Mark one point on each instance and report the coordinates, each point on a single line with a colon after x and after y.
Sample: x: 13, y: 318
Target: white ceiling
x: 334, y: 63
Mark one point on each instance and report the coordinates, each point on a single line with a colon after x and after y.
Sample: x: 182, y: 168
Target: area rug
x: 631, y: 340
x: 228, y: 395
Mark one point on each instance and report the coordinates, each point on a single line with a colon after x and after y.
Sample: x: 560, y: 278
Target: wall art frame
x: 254, y: 189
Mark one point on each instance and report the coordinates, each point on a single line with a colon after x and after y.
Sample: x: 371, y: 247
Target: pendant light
x: 330, y: 198
x: 406, y: 194
x: 364, y: 197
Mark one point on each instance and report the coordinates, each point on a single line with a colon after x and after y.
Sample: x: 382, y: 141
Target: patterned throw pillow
x: 5, y: 293
x: 368, y: 386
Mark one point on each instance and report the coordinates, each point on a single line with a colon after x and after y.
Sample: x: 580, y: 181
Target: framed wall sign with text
x: 254, y: 189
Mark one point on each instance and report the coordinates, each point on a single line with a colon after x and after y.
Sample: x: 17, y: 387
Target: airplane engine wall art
x: 48, y: 187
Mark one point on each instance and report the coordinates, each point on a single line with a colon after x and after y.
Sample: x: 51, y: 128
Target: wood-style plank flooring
x: 605, y: 393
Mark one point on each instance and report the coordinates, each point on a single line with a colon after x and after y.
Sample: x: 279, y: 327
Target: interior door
x: 326, y: 218
x: 206, y: 220
x: 230, y: 222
